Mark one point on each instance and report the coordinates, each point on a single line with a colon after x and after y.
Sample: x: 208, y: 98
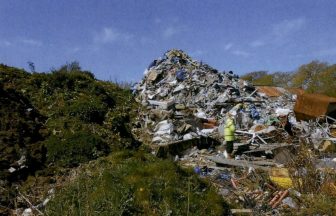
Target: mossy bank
x: 56, y: 122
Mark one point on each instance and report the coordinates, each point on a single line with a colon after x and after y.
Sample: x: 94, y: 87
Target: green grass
x: 136, y: 183
x: 58, y: 119
x: 74, y: 149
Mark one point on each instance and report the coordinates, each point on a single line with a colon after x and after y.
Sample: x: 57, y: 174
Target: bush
x: 90, y: 110
x: 68, y: 80
x: 75, y: 148
x: 70, y: 76
x: 127, y: 183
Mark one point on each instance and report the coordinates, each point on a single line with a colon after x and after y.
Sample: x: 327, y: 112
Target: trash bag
x: 152, y: 64
x: 254, y: 113
x: 180, y: 75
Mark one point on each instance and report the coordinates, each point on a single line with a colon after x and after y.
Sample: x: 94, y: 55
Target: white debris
x: 12, y: 169
x: 27, y: 212
x: 22, y: 160
x: 201, y: 115
x: 282, y: 112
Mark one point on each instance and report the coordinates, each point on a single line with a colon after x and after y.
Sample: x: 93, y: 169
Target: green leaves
x: 73, y: 149
x: 88, y: 109
x: 136, y: 183
x: 314, y: 77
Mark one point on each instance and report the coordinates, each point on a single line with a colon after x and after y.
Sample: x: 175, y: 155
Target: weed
x: 137, y: 183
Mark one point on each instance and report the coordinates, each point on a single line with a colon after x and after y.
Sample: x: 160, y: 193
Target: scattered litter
x: 11, y: 170
x: 186, y: 103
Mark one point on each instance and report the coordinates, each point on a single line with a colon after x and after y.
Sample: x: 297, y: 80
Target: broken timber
x: 273, y: 148
x: 241, y: 211
x: 264, y: 165
x: 179, y: 147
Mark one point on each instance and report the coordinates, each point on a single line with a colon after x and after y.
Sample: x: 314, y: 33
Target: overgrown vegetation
x: 74, y: 104
x: 66, y: 120
x: 54, y: 123
x: 74, y: 149
x: 136, y: 183
x: 57, y: 120
x: 316, y: 186
x: 314, y: 77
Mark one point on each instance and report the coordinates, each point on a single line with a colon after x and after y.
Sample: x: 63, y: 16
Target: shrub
x: 70, y: 76
x: 75, y: 148
x: 90, y: 110
x: 136, y: 183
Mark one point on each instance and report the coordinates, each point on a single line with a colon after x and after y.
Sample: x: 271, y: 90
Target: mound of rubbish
x: 188, y: 99
x: 279, y: 153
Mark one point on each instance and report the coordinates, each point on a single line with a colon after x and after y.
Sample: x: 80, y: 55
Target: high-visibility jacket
x: 229, y: 130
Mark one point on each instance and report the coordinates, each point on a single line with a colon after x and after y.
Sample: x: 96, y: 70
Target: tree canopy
x: 314, y: 77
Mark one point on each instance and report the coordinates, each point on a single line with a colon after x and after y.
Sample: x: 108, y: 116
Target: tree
x: 255, y: 75
x: 327, y: 81
x: 314, y: 77
x: 306, y: 77
x: 266, y: 80
x: 259, y: 78
x: 70, y: 67
x: 282, y: 79
x: 31, y: 66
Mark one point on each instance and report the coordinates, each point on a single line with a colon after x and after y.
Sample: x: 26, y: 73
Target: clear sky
x: 116, y: 40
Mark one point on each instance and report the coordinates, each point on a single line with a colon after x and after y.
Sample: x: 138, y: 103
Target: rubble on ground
x: 186, y: 101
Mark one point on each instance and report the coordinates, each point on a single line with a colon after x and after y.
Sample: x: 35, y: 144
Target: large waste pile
x: 187, y: 99
x: 186, y: 103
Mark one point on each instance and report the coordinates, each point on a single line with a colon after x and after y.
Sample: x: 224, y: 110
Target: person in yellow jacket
x: 229, y: 130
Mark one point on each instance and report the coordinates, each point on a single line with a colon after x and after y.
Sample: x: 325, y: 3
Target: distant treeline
x: 314, y: 77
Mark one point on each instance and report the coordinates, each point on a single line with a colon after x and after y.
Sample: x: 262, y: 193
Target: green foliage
x: 21, y: 126
x: 327, y: 79
x: 11, y: 76
x: 90, y: 110
x: 306, y: 76
x: 84, y: 119
x: 314, y: 77
x: 282, y: 79
x: 259, y: 78
x: 136, y: 183
x: 318, y: 204
x: 74, y: 67
x: 264, y: 81
x: 68, y: 101
x: 256, y: 75
x: 263, y: 78
x: 76, y: 148
x: 71, y: 79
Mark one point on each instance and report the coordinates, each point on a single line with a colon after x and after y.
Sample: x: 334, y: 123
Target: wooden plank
x: 241, y: 163
x: 162, y: 104
x: 241, y: 211
x: 179, y: 147
x: 268, y: 147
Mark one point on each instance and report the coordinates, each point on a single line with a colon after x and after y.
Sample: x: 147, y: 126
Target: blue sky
x: 116, y: 40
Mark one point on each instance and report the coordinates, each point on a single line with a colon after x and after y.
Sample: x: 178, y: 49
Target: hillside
x: 73, y: 145
x: 53, y: 124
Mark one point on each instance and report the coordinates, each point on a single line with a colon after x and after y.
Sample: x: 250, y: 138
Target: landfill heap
x: 188, y: 99
x: 185, y: 105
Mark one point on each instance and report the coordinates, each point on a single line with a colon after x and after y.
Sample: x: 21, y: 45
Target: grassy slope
x: 74, y: 119
x: 136, y: 183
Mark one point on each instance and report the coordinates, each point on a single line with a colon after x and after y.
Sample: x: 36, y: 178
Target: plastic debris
x: 186, y: 103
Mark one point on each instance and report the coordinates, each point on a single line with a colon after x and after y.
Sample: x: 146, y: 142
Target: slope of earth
x: 55, y: 124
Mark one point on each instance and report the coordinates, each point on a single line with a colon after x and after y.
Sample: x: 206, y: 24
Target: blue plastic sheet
x: 180, y: 75
x: 254, y: 113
